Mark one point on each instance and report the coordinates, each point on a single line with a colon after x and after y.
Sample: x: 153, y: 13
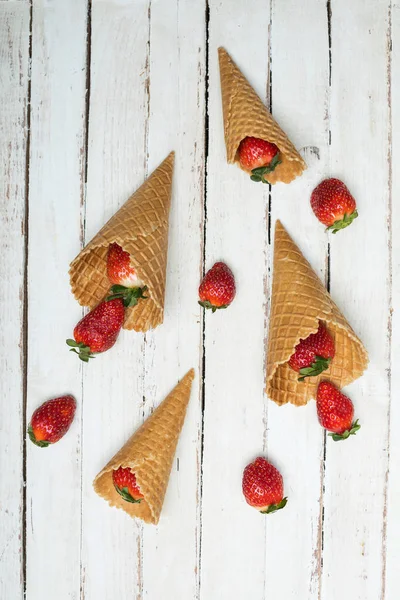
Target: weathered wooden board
x: 14, y: 77
x: 115, y: 86
x: 56, y: 191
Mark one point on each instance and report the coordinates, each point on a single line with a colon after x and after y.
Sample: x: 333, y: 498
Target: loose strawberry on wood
x: 123, y: 277
x: 98, y: 330
x: 333, y: 205
x: 335, y: 412
x: 218, y: 289
x: 263, y: 486
x: 259, y: 157
x: 313, y: 355
x: 51, y: 421
x: 126, y: 485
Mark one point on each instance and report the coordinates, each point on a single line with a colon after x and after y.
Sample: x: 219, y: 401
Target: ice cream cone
x: 299, y: 302
x: 245, y: 115
x: 149, y: 453
x: 140, y: 227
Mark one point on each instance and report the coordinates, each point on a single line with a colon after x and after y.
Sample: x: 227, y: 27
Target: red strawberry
x: 98, y: 330
x: 126, y: 283
x: 263, y: 486
x: 52, y: 420
x: 217, y: 290
x: 333, y: 204
x: 258, y: 156
x: 313, y: 355
x: 125, y: 484
x: 335, y: 412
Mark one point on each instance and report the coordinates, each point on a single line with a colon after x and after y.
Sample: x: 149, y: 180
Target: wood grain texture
x: 55, y: 194
x: 360, y: 282
x: 114, y: 382
x: 390, y: 573
x: 331, y: 73
x: 294, y: 438
x: 176, y: 122
x: 14, y: 73
x: 232, y: 551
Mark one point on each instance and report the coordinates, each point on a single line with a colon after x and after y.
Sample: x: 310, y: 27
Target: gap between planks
x: 203, y: 316
x: 24, y: 333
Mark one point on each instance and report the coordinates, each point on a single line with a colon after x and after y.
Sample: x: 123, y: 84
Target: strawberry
x: 335, y: 412
x: 333, y: 204
x: 125, y: 484
x: 258, y: 156
x: 98, y: 330
x: 263, y: 486
x: 313, y: 354
x: 51, y: 421
x: 217, y: 290
x: 126, y: 283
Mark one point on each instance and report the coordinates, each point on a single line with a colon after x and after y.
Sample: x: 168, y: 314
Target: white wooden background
x: 93, y: 95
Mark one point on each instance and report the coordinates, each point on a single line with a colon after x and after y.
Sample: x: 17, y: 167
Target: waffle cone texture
x: 299, y: 302
x: 149, y: 453
x: 140, y: 227
x: 246, y: 115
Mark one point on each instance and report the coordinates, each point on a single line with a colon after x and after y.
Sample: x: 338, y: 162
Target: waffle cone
x: 299, y: 302
x: 246, y: 115
x: 140, y: 227
x: 149, y: 453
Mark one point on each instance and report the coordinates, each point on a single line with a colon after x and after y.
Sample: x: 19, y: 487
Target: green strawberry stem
x: 274, y: 507
x: 130, y: 296
x: 259, y: 173
x: 124, y: 493
x: 40, y: 443
x: 338, y: 437
x: 316, y: 368
x: 208, y: 305
x: 342, y: 223
x: 80, y: 349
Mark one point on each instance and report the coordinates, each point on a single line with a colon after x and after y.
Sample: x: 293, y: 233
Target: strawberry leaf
x: 338, y: 437
x: 39, y: 443
x: 208, y: 305
x: 130, y: 296
x: 343, y: 223
x: 83, y: 351
x: 259, y: 173
x: 274, y: 507
x: 124, y: 493
x: 316, y: 368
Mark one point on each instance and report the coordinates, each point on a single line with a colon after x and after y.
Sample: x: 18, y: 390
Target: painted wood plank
x: 14, y: 74
x: 55, y: 196
x: 113, y: 383
x: 177, y: 74
x: 295, y: 441
x: 232, y: 549
x: 356, y: 470
x: 391, y: 531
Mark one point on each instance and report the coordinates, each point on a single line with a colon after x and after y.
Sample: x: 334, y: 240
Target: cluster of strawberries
x: 98, y: 331
x: 335, y: 207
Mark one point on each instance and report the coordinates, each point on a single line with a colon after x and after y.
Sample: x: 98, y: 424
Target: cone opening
x: 245, y: 115
x: 349, y: 363
x: 104, y: 487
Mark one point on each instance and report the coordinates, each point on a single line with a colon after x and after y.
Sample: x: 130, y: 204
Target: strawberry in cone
x: 130, y: 252
x: 123, y: 277
x: 253, y: 138
x: 136, y: 478
x: 313, y: 354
